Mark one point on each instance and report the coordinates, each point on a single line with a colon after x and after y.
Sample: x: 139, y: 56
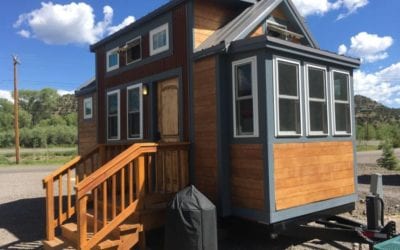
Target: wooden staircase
x: 114, y: 201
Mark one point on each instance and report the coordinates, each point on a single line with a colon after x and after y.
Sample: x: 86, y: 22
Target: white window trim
x: 279, y: 133
x: 157, y: 30
x: 127, y: 48
x: 333, y: 102
x: 119, y: 114
x: 108, y: 54
x: 140, y: 87
x: 308, y: 99
x: 254, y: 91
x: 85, y: 102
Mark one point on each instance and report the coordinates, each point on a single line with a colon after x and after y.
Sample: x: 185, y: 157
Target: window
x: 159, y: 39
x: 135, y: 112
x: 287, y: 102
x: 134, y: 50
x: 317, y: 113
x: 113, y: 59
x: 245, y: 101
x: 113, y: 110
x: 88, y: 108
x: 341, y: 102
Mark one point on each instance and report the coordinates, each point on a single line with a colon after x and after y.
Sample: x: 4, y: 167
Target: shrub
x: 388, y: 160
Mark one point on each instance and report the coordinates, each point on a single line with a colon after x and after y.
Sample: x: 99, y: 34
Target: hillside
x: 374, y: 112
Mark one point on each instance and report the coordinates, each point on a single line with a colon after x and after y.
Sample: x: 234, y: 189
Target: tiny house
x: 234, y: 97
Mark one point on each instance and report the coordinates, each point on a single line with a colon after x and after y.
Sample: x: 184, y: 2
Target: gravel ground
x: 22, y: 214
x: 22, y: 206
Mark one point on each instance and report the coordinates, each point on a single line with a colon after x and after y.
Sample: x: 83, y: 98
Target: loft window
x: 159, y: 39
x: 245, y: 101
x: 113, y: 59
x: 317, y: 114
x: 134, y: 50
x: 113, y: 112
x: 287, y: 103
x: 135, y: 112
x: 341, y: 102
x: 281, y: 31
x: 88, y: 108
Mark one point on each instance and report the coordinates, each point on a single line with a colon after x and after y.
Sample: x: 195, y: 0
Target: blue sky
x: 52, y: 39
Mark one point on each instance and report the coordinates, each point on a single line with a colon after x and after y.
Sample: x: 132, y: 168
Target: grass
x: 38, y: 156
x: 361, y: 148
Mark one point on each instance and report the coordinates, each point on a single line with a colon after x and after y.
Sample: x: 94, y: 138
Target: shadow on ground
x: 388, y: 180
x: 25, y: 220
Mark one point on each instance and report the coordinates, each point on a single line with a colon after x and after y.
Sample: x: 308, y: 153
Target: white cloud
x: 6, y: 94
x: 351, y: 6
x: 382, y: 86
x: 342, y: 49
x: 320, y: 7
x: 24, y: 33
x: 66, y: 24
x: 62, y: 92
x: 126, y: 22
x: 312, y: 7
x: 369, y: 47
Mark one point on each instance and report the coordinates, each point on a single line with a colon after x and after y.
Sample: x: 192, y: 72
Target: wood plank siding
x: 210, y: 16
x: 205, y: 129
x: 176, y: 60
x: 247, y: 176
x: 311, y: 172
x: 87, y: 129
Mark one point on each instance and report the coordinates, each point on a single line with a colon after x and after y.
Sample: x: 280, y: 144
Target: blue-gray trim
x: 251, y: 44
x: 190, y: 61
x: 256, y: 215
x: 151, y: 81
x: 311, y: 208
x: 223, y: 134
x: 85, y: 91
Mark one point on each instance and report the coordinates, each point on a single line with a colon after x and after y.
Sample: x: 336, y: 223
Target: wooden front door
x: 168, y: 110
x: 167, y: 162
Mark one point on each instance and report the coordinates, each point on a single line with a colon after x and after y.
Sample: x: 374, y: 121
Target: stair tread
x: 72, y: 227
x: 58, y: 243
x: 108, y: 244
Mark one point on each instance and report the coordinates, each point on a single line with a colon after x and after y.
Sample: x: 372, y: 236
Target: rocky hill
x: 374, y: 112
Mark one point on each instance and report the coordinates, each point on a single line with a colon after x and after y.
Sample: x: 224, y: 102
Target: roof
x: 248, y: 20
x: 159, y: 11
x: 87, y: 87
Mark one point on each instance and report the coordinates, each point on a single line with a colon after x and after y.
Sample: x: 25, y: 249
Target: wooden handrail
x: 62, y: 169
x: 98, y: 180
x: 113, y: 166
x: 70, y: 164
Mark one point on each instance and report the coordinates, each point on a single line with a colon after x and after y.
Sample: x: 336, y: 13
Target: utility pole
x: 16, y: 123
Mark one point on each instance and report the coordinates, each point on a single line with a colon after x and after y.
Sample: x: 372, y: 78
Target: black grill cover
x: 191, y: 222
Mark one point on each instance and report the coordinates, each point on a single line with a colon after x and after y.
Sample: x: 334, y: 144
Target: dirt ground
x: 22, y: 214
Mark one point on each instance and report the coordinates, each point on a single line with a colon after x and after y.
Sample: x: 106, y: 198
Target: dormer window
x: 278, y: 30
x: 113, y: 59
x: 159, y: 39
x: 134, y: 50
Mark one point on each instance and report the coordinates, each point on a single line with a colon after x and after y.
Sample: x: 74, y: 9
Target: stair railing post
x: 82, y: 221
x: 50, y: 234
x: 102, y: 153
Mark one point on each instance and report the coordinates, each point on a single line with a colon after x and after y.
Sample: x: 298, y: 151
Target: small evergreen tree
x: 388, y: 160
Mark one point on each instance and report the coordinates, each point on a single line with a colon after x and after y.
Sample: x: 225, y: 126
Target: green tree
x: 6, y: 115
x: 388, y: 160
x: 40, y: 104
